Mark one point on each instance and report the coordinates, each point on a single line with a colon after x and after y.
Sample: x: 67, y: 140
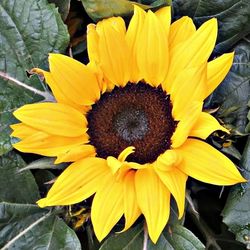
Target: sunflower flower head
x: 131, y: 121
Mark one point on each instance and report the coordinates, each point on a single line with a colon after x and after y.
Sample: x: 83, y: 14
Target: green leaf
x: 233, y: 18
x: 99, y: 9
x: 232, y: 95
x: 236, y: 214
x: 29, y: 30
x: 24, y: 226
x: 182, y: 238
x: 15, y: 186
x: 248, y: 117
x: 44, y: 163
x: 176, y: 237
x: 131, y: 239
x: 155, y: 2
x: 63, y: 7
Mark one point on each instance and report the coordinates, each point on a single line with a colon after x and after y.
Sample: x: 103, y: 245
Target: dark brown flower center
x: 137, y: 115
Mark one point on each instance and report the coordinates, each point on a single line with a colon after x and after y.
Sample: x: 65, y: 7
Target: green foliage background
x: 29, y: 30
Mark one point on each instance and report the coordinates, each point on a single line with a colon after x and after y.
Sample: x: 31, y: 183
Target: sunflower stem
x: 47, y: 96
x: 145, y: 238
x: 202, y: 226
x: 70, y: 52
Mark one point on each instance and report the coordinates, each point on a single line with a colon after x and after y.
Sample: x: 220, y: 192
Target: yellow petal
x: 154, y: 201
x: 188, y: 86
x: 175, y: 181
x: 131, y: 209
x: 60, y: 97
x: 194, y: 51
x: 74, y: 79
x: 53, y: 118
x: 125, y: 153
x: 57, y: 91
x: 164, y: 15
x: 217, y: 70
x: 132, y: 39
x: 204, y: 163
x: 186, y: 123
x: 135, y: 165
x: 76, y: 153
x: 92, y: 43
x: 114, y: 164
x: 181, y: 30
x: 21, y: 130
x: 166, y: 161
x: 152, y: 54
x: 78, y: 182
x: 95, y: 68
x: 49, y: 145
x: 107, y: 207
x: 205, y: 125
x: 113, y: 50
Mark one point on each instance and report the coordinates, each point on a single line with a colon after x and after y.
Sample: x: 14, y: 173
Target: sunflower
x: 131, y: 121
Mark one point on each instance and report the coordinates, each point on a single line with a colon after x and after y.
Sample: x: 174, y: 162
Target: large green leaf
x: 99, y: 9
x: 131, y: 239
x: 236, y: 213
x: 24, y: 226
x: 248, y: 117
x: 29, y: 30
x: 233, y: 18
x: 182, y: 238
x: 233, y: 94
x: 15, y: 186
x: 177, y: 238
x: 63, y: 7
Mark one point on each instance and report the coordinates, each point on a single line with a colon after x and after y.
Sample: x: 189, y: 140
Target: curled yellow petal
x: 117, y: 164
x: 114, y: 164
x: 166, y: 161
x: 125, y: 153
